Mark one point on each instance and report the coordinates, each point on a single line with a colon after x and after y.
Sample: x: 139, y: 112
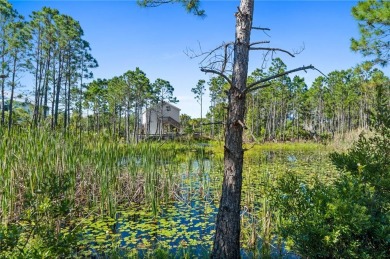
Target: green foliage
x: 163, y: 91
x: 218, y: 88
x: 191, y: 6
x: 374, y: 25
x: 199, y: 90
x: 324, y: 221
x: 350, y: 218
x: 186, y: 124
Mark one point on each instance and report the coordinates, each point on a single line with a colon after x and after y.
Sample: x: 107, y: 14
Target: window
x: 168, y: 108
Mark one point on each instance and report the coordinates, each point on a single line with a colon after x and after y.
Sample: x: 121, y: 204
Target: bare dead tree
x: 230, y: 61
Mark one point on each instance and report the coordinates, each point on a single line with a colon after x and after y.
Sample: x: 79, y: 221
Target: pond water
x: 184, y: 227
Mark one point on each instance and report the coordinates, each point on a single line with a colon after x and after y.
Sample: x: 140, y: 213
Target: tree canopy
x: 374, y: 27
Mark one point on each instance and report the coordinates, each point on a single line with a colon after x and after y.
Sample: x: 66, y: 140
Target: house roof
x: 164, y: 103
x: 172, y: 105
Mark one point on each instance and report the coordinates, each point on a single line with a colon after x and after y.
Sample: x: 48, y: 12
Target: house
x: 161, y: 119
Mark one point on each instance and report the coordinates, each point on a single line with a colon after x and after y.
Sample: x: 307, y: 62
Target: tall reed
x: 96, y: 173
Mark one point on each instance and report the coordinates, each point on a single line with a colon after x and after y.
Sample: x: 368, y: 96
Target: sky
x: 124, y: 36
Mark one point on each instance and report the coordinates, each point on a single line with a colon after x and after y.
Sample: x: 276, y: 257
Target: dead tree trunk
x: 227, y: 235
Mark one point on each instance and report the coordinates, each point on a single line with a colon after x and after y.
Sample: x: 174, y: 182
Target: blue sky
x: 124, y: 36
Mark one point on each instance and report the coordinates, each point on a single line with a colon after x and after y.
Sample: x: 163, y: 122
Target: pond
x: 184, y: 226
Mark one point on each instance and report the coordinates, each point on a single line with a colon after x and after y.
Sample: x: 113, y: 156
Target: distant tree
x: 59, y: 60
x: 42, y: 58
x: 185, y: 123
x: 374, y: 26
x: 96, y: 97
x: 297, y: 90
x: 116, y: 100
x: 18, y: 44
x: 199, y: 91
x: 7, y: 17
x: 217, y: 88
x: 84, y: 63
x: 138, y: 87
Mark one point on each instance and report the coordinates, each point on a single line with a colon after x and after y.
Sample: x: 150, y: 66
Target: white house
x: 163, y: 118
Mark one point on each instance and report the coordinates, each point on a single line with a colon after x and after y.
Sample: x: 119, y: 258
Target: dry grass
x: 342, y: 142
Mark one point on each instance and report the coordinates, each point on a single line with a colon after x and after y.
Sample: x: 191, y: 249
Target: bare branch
x: 300, y: 50
x: 273, y: 50
x: 216, y: 72
x: 248, y: 89
x: 225, y: 59
x: 320, y: 72
x: 261, y: 28
x: 218, y: 58
x: 264, y: 30
x: 265, y: 60
x: 259, y: 42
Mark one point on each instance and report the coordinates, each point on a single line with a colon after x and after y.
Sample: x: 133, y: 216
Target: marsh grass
x: 48, y: 178
x: 56, y: 184
x: 95, y: 173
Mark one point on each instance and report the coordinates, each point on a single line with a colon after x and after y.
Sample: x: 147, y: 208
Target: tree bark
x: 227, y: 235
x: 11, y: 100
x: 2, y: 102
x: 58, y: 89
x: 37, y: 77
x: 46, y: 86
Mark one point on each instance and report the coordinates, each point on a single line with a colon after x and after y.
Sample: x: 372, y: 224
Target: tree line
x: 51, y: 48
x: 288, y: 109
